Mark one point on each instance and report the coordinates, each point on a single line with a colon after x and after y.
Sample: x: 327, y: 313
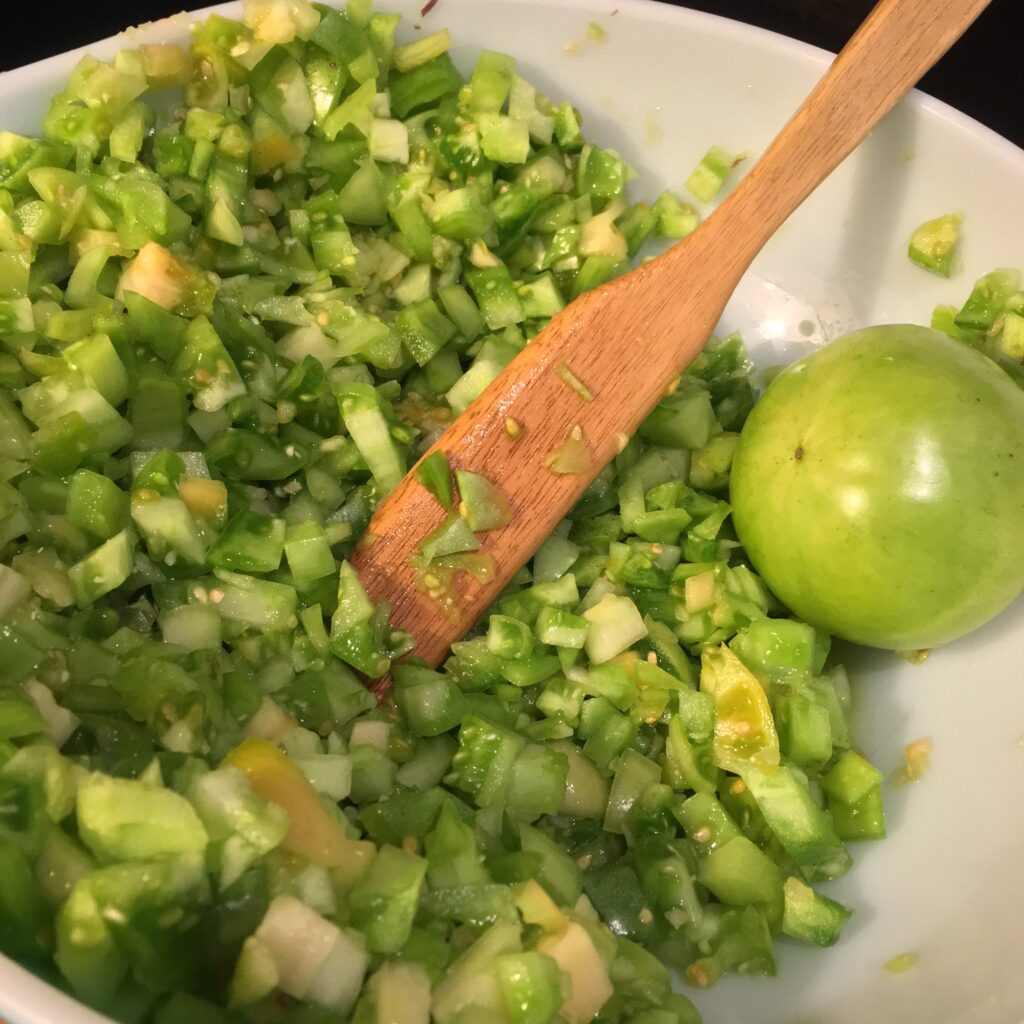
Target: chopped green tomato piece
x: 304, y: 955
x: 24, y: 918
x: 531, y: 987
x: 102, y: 571
x: 740, y: 874
x: 933, y: 244
x: 634, y: 775
x: 384, y: 900
x: 590, y: 987
x: 249, y: 543
x: 744, y: 729
x: 615, y: 625
x: 491, y: 81
x: 803, y: 828
x: 1011, y: 340
x: 429, y: 701
x: 987, y: 300
x: 810, y: 916
x: 435, y: 474
x: 851, y: 779
x: 312, y: 832
x: 124, y: 819
x: 426, y: 48
x: 864, y: 819
x: 709, y: 175
x: 308, y: 551
x: 481, y: 503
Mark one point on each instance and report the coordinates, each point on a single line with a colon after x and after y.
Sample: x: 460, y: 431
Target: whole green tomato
x: 878, y: 487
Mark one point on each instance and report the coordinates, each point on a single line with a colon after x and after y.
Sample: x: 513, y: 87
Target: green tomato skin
x: 878, y: 488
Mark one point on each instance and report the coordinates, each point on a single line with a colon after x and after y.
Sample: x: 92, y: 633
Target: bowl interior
x: 664, y: 85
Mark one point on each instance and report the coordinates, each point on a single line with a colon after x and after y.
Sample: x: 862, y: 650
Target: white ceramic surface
x: 948, y: 884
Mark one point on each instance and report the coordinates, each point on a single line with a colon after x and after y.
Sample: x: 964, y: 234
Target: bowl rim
x: 27, y: 998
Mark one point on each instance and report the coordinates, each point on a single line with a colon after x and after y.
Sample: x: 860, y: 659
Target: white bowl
x: 667, y: 83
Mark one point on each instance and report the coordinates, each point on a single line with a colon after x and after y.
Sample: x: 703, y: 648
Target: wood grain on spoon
x: 628, y: 340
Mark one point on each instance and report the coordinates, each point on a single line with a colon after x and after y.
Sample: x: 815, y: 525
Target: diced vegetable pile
x: 229, y: 327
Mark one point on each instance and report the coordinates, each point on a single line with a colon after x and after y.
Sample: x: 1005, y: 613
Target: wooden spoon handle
x: 627, y: 340
x: 897, y: 43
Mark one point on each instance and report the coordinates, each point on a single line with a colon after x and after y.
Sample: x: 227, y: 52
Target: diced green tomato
x: 96, y: 504
x: 851, y: 779
x: 423, y: 85
x: 805, y: 728
x: 496, y: 296
x: 470, y: 988
x: 561, y: 628
x: 435, y: 474
x: 688, y: 752
x: 102, y: 571
x: 675, y: 219
x: 124, y: 819
x: 491, y: 80
x: 709, y: 175
x: 531, y: 987
x: 461, y: 215
x: 600, y: 172
x: 452, y: 537
x: 481, y: 502
x: 249, y: 543
x: 401, y: 992
x: 370, y: 431
x: 1011, y: 340
x: 430, y: 702
x: 352, y: 637
x: 462, y: 310
x: 932, y: 245
x: 739, y: 873
x: 683, y: 420
x: 484, y: 762
x: 558, y: 872
x: 424, y: 330
x: 504, y: 139
x: 97, y: 360
x: 590, y: 987
x: 782, y: 649
x: 14, y: 589
x: 633, y: 776
x: 810, y: 916
x: 744, y: 729
x: 383, y: 903
x: 308, y: 551
x: 864, y: 819
x: 62, y: 862
x: 615, y: 625
x: 24, y: 917
x: 586, y: 790
x: 207, y: 368
x: 86, y: 951
x: 987, y: 300
x: 803, y: 828
x: 306, y: 956
x: 538, y: 784
x: 706, y: 822
x: 168, y: 527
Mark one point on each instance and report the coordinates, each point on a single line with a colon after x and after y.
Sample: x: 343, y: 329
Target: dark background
x: 981, y: 75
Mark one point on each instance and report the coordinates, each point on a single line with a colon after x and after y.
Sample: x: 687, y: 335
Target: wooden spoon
x: 628, y: 341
